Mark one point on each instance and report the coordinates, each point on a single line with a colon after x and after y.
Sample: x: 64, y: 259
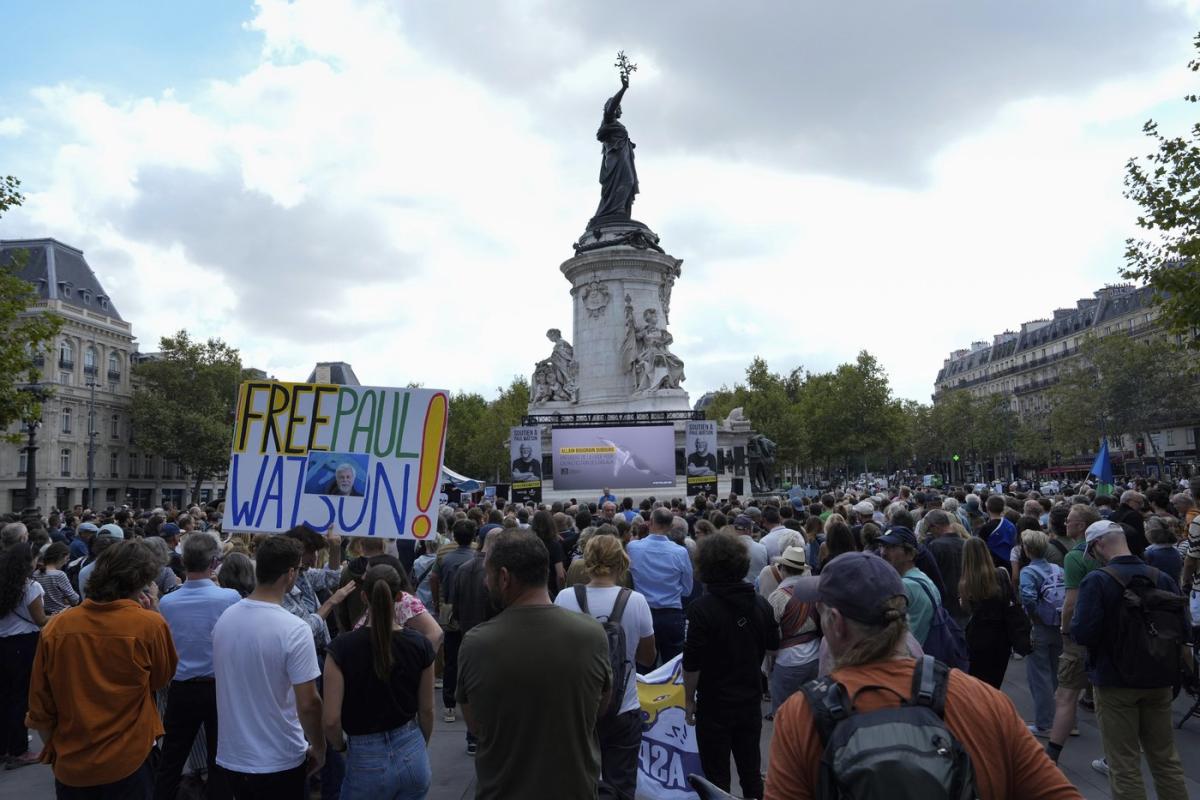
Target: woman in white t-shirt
x: 621, y: 735
x: 22, y: 616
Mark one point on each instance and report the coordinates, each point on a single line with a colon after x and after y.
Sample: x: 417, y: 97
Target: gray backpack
x: 618, y: 658
x: 899, y: 753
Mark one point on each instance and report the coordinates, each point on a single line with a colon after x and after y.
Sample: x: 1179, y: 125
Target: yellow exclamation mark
x: 429, y: 471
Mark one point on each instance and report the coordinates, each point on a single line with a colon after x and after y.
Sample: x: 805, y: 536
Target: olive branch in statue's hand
x: 626, y: 67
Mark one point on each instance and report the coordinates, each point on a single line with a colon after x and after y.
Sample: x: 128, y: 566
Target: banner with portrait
x: 701, y: 460
x: 366, y: 460
x: 525, y: 452
x: 669, y: 752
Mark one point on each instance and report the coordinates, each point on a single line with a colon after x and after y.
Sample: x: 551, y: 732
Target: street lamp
x: 91, y: 446
x: 32, y: 424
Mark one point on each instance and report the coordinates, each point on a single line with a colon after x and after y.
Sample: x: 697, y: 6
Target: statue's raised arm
x: 612, y: 109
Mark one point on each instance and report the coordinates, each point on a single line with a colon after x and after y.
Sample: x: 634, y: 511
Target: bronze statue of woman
x: 618, y: 175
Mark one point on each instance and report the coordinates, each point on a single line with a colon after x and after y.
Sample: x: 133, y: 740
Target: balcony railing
x: 89, y: 370
x: 66, y: 363
x: 114, y: 374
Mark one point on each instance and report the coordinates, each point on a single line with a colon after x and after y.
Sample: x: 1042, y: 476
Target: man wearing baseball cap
x: 1133, y: 695
x: 81, y: 544
x: 743, y: 525
x: 862, y: 604
x: 899, y: 547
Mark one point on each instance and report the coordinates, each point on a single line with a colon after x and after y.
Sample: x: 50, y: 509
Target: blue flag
x: 1102, y: 469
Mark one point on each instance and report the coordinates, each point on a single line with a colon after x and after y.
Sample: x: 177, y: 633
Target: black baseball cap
x: 859, y: 585
x: 899, y: 535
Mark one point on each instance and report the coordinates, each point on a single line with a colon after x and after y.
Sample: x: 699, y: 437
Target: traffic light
x: 1141, y: 447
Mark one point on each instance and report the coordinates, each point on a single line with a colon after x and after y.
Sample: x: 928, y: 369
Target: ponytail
x: 877, y: 642
x: 382, y: 584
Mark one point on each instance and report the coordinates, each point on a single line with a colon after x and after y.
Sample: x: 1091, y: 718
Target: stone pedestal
x: 618, y: 272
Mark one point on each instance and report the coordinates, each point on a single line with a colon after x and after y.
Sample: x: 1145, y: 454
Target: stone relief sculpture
x: 595, y: 297
x: 556, y: 378
x: 736, y: 416
x: 664, y: 291
x: 646, y: 350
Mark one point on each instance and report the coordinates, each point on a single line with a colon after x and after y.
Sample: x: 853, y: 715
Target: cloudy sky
x: 394, y: 184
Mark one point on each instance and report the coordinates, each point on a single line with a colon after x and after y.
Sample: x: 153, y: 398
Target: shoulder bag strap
x: 581, y: 597
x: 828, y: 704
x: 425, y: 574
x: 930, y: 680
x: 619, y: 604
x: 928, y: 594
x: 1115, y: 575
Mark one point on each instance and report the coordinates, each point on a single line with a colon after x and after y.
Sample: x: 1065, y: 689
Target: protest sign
x: 669, y: 751
x: 365, y: 459
x: 701, y: 446
x: 525, y: 450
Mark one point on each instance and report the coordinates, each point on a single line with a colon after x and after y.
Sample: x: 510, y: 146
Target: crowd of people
x: 152, y: 653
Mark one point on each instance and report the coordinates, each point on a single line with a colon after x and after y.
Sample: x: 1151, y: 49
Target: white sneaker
x: 437, y: 683
x: 1101, y: 766
x: 448, y: 716
x: 1041, y: 733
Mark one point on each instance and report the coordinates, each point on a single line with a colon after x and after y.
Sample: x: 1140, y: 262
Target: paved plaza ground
x: 454, y: 776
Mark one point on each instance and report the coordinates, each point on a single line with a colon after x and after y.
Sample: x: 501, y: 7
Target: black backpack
x: 618, y: 657
x: 895, y: 752
x: 1150, y: 629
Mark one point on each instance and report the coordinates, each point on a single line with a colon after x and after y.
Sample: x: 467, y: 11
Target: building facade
x: 86, y: 429
x: 1022, y: 365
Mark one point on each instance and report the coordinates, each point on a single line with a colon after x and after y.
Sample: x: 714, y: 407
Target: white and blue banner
x: 669, y: 752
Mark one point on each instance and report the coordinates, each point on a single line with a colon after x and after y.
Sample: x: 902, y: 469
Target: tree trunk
x: 196, y: 487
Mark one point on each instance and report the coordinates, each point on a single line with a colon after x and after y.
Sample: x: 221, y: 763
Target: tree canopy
x: 819, y: 419
x: 479, y: 428
x: 25, y: 334
x: 1166, y: 184
x: 184, y: 403
x: 1122, y: 386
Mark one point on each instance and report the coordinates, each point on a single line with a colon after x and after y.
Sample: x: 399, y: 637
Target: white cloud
x: 12, y: 126
x: 356, y: 196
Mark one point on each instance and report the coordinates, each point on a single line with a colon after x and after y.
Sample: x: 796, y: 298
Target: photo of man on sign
x: 336, y: 474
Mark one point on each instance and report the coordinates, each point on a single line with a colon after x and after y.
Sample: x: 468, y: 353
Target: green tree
x: 467, y: 413
x: 184, y: 403
x: 1166, y: 184
x: 475, y: 441
x: 1032, y: 443
x: 848, y: 415
x: 1123, y: 386
x: 769, y: 400
x: 25, y: 331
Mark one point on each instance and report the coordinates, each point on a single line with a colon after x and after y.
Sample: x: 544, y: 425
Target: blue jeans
x: 1041, y: 671
x: 786, y: 681
x: 393, y: 765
